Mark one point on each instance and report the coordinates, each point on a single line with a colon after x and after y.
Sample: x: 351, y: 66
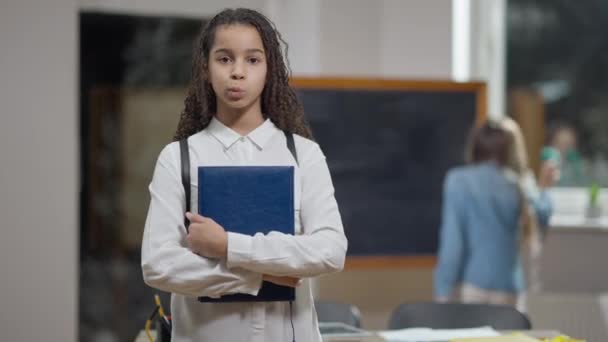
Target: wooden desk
x: 532, y: 333
x: 141, y: 337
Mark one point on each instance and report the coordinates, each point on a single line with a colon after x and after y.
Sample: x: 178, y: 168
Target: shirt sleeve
x: 543, y: 207
x: 451, y: 241
x: 321, y: 248
x: 167, y: 262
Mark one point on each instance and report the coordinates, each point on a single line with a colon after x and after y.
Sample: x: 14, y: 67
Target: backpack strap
x: 291, y: 146
x: 185, y: 157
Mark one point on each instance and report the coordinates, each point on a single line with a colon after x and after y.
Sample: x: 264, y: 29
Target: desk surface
x: 578, y: 223
x: 141, y: 337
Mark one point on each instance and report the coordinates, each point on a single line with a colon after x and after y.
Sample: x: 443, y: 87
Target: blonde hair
x: 517, y: 163
x: 518, y: 156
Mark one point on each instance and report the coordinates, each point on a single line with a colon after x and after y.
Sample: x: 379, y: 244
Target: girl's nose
x: 238, y: 72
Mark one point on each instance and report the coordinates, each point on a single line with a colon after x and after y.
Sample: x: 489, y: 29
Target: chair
x: 328, y: 311
x: 457, y: 315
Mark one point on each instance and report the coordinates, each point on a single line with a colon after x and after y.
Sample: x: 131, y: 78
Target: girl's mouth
x: 235, y: 93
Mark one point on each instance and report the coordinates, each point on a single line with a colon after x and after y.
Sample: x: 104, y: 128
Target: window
x: 557, y: 55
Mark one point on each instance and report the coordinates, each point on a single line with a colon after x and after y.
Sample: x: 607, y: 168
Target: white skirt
x: 473, y: 294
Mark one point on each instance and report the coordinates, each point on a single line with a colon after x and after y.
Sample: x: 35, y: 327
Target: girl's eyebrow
x: 255, y: 50
x: 229, y: 51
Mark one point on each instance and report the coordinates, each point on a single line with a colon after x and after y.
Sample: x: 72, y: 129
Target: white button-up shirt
x: 318, y: 247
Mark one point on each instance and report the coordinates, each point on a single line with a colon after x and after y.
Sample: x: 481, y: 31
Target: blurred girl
x: 487, y: 220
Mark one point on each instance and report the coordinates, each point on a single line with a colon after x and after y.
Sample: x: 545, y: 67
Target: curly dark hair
x: 278, y: 99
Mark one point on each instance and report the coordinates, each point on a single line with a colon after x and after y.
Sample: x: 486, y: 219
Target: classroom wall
x: 366, y: 38
x: 408, y: 53
x: 184, y: 8
x: 300, y: 25
x: 350, y: 38
x: 39, y: 170
x: 39, y: 176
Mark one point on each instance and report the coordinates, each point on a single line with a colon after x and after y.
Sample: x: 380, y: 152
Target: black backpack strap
x: 291, y: 146
x: 185, y: 157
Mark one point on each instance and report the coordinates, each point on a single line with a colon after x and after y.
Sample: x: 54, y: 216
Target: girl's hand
x: 284, y: 281
x: 548, y: 175
x: 206, y: 237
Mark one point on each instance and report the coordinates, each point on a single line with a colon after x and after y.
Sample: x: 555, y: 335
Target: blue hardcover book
x: 249, y: 200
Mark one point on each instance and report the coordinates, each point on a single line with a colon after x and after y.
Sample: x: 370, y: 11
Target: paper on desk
x: 427, y: 334
x: 505, y: 338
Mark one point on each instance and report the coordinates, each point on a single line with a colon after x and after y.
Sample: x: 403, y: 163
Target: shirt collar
x: 227, y: 136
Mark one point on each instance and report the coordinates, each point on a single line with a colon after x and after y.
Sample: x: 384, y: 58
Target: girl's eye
x: 254, y: 60
x: 224, y: 60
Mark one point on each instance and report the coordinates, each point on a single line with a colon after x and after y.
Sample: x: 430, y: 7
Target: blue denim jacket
x: 479, y: 235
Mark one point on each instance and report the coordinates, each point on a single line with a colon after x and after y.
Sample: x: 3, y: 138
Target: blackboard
x: 388, y: 145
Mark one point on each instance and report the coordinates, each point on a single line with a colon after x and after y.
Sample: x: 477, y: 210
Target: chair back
x: 328, y: 311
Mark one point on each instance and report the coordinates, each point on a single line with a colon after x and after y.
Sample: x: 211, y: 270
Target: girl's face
x: 237, y: 67
x: 565, y: 140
